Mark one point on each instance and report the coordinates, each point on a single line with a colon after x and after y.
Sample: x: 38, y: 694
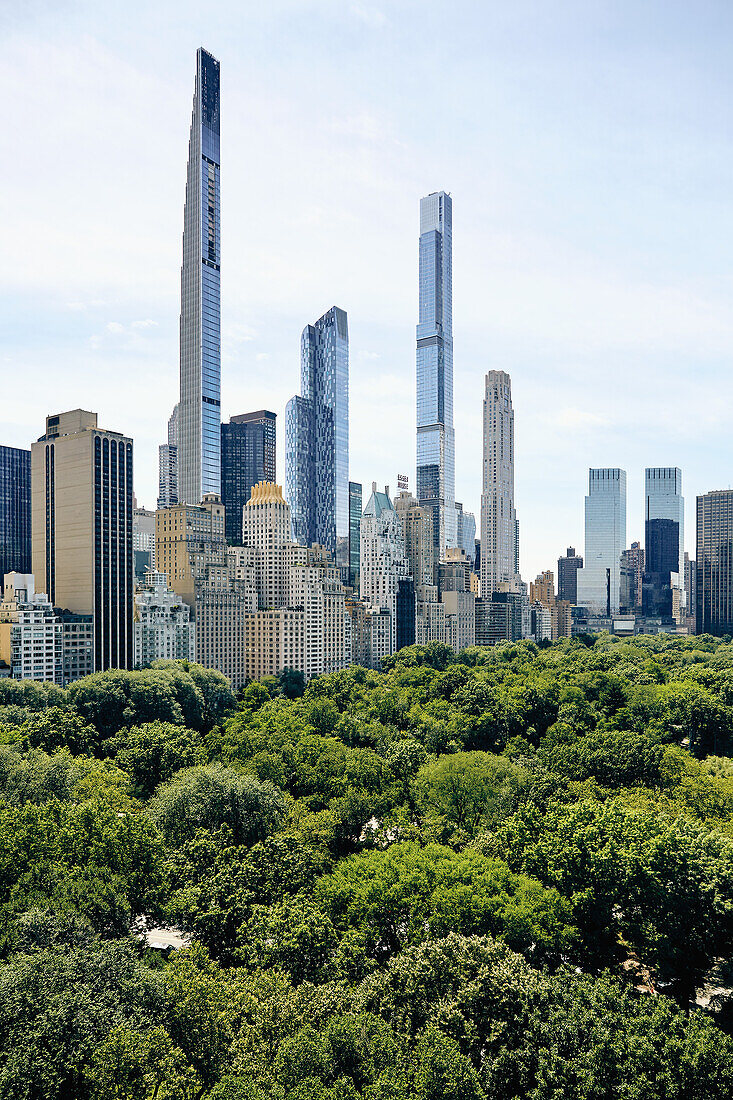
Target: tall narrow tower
x: 436, y: 464
x: 499, y: 528
x: 199, y: 416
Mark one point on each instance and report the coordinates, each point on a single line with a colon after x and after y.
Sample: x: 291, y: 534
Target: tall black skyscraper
x: 247, y: 456
x: 199, y: 408
x: 567, y: 576
x: 714, y: 573
x: 15, y: 511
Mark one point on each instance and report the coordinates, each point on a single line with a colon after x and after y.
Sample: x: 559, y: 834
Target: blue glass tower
x: 199, y: 415
x: 317, y: 439
x: 15, y: 511
x: 436, y: 465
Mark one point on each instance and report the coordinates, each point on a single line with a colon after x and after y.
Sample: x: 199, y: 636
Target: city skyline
x: 95, y: 323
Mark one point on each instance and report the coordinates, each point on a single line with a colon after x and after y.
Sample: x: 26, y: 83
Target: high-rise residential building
x: 199, y: 412
x: 371, y: 633
x: 302, y: 622
x: 503, y: 618
x: 163, y: 627
x: 540, y: 619
x: 82, y: 509
x: 436, y: 464
x: 355, y: 506
x: 191, y: 550
x: 317, y: 440
x: 714, y: 563
x: 567, y: 576
x: 691, y: 592
x: 30, y: 633
x: 466, y: 532
x: 39, y: 641
x: 419, y: 543
x: 15, y: 511
x: 632, y: 577
x: 599, y: 580
x: 248, y: 456
x: 499, y: 528
x: 143, y: 540
x: 542, y: 591
x: 384, y: 565
x: 664, y: 538
x: 168, y: 465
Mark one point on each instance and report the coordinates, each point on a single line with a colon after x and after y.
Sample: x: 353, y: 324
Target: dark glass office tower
x: 199, y: 414
x: 317, y: 439
x: 355, y: 497
x: 664, y: 540
x: 436, y: 467
x: 714, y: 571
x: 567, y: 576
x: 247, y: 456
x: 15, y: 511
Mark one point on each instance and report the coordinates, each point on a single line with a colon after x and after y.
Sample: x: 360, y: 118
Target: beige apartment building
x: 82, y: 519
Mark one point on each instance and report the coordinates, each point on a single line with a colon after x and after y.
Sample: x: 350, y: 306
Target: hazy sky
x: 587, y: 147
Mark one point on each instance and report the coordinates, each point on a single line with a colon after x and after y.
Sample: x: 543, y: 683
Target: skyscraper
x: 436, y: 465
x: 247, y: 457
x: 664, y: 526
x: 168, y: 465
x: 714, y: 569
x: 632, y: 578
x: 599, y: 581
x: 317, y: 439
x: 385, y: 576
x: 82, y: 506
x: 567, y: 576
x: 499, y: 528
x: 199, y: 417
x: 354, y: 533
x: 15, y: 511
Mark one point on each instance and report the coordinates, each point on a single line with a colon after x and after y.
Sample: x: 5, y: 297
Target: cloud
x: 369, y: 14
x: 115, y: 326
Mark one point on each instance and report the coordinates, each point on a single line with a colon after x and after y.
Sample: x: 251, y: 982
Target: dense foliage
x: 502, y: 874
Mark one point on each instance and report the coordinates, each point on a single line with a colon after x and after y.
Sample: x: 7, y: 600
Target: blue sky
x: 587, y: 147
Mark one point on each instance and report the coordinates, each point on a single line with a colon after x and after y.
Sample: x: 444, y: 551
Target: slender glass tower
x: 317, y: 439
x: 436, y: 465
x: 199, y: 416
x: 599, y: 580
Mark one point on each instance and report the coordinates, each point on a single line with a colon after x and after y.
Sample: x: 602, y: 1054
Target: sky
x: 588, y: 150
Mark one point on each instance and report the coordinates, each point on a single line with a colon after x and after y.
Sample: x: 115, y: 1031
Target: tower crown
x: 266, y: 492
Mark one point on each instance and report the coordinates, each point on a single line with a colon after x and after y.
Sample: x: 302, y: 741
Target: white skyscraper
x: 599, y: 581
x: 499, y: 528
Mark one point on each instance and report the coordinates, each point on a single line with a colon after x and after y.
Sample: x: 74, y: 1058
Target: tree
x: 206, y: 797
x: 407, y: 894
x: 153, y: 752
x: 460, y: 790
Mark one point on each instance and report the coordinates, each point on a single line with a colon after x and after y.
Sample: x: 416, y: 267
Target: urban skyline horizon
x: 539, y: 548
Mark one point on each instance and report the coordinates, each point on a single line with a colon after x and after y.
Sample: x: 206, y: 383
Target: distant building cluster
x: 233, y: 573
